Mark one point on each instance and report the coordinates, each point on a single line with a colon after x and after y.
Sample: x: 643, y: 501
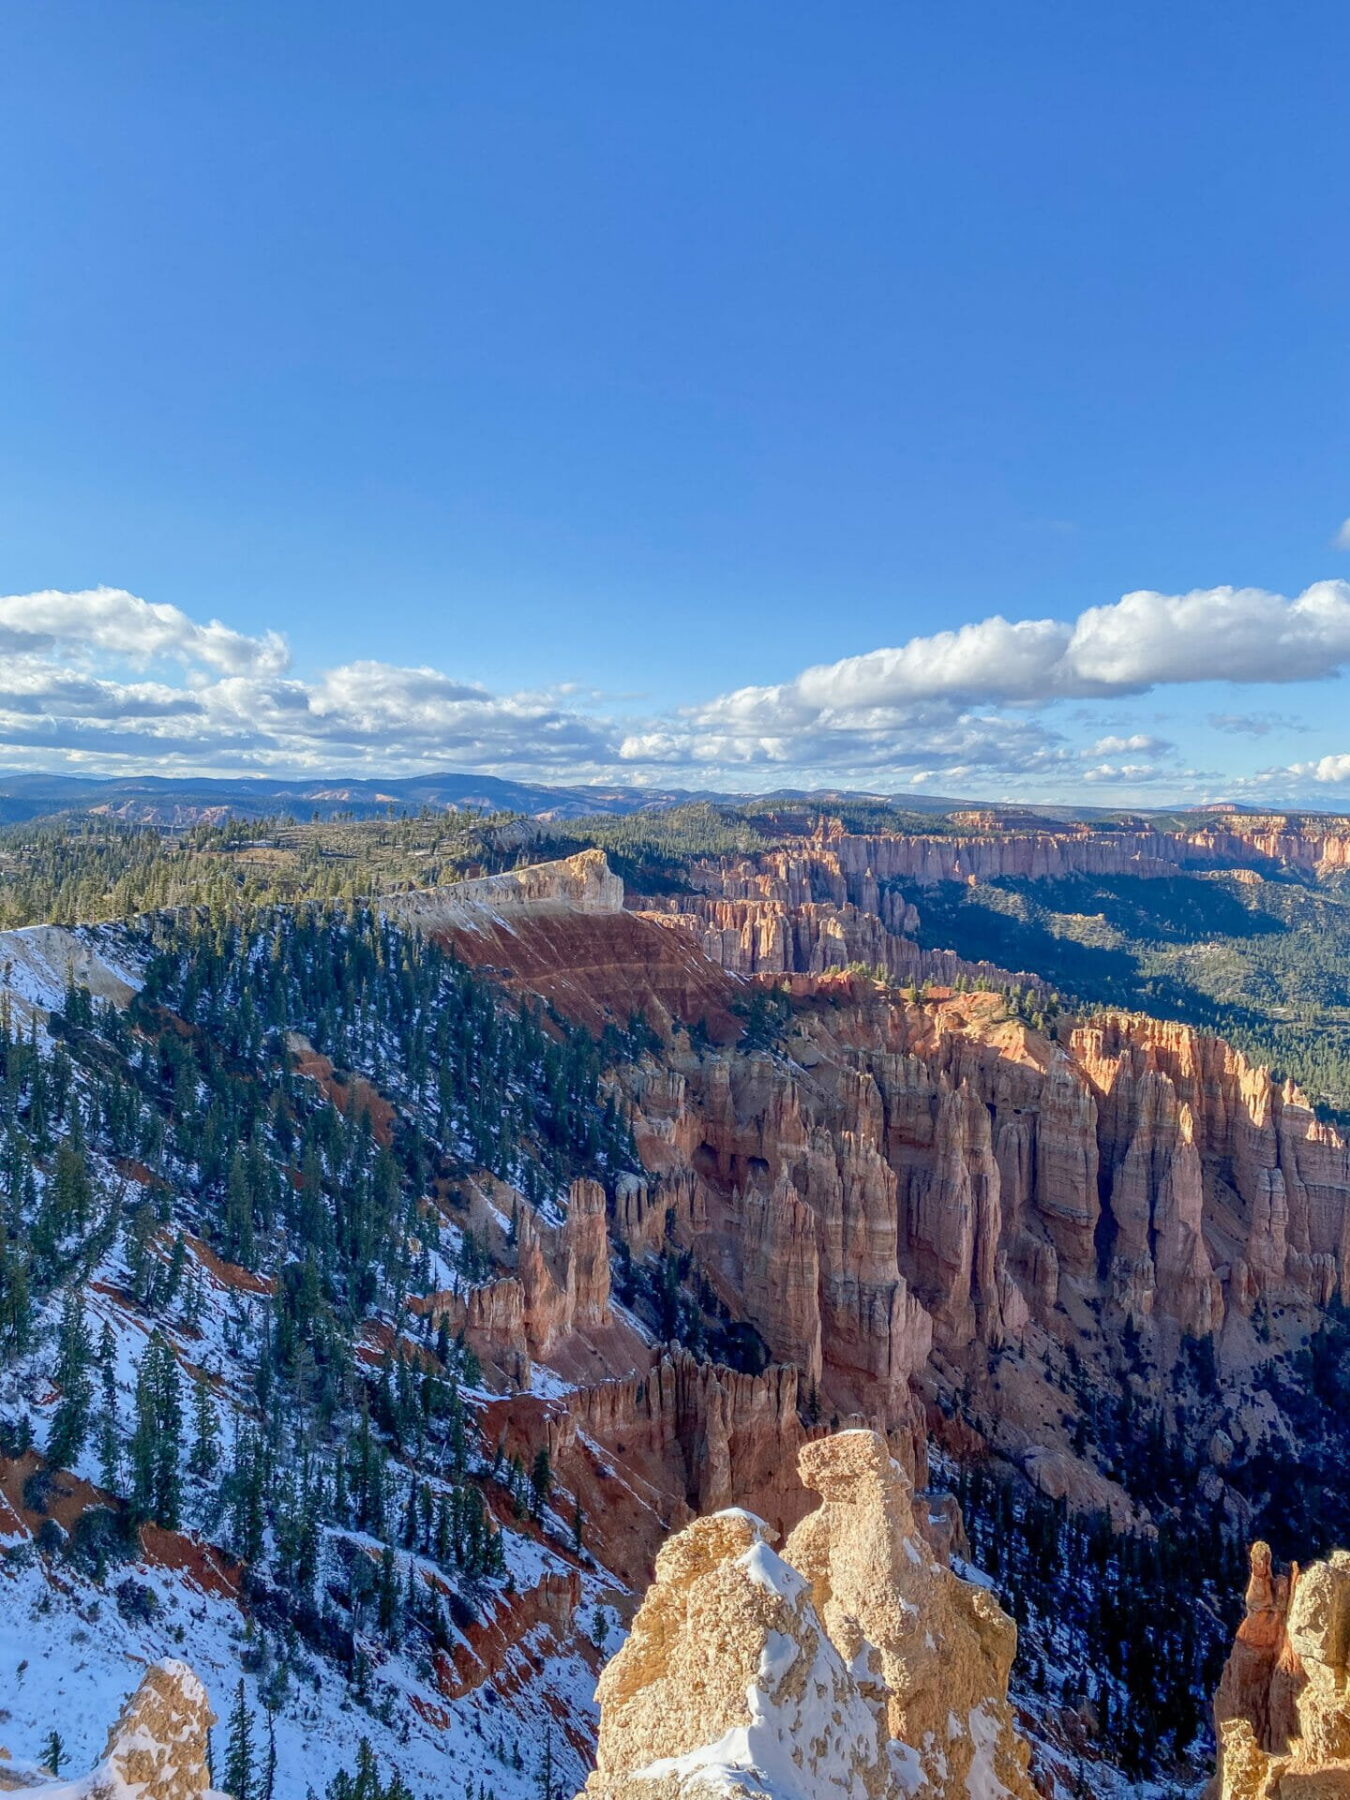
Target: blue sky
x: 561, y: 383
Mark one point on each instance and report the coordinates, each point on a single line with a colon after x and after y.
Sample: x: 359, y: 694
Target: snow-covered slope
x: 88, y: 1599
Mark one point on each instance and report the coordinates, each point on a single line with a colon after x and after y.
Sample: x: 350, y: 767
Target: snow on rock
x: 156, y: 1749
x: 74, y: 1640
x: 728, y: 1684
x: 39, y: 962
x: 70, y: 1653
x: 851, y: 1667
x: 583, y: 883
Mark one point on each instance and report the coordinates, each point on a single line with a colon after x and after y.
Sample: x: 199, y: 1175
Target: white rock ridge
x: 156, y: 1750
x: 853, y: 1666
x: 584, y: 883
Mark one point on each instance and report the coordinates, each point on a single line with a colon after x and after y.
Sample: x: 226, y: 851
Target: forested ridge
x: 1263, y: 963
x: 81, y: 869
x: 134, y: 1135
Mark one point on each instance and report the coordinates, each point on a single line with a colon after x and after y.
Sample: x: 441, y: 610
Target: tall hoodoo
x: 937, y: 1649
x: 853, y: 1665
x: 1282, y: 1712
x: 729, y: 1685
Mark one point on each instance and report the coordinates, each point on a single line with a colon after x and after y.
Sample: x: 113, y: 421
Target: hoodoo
x: 853, y: 1664
x: 1282, y: 1712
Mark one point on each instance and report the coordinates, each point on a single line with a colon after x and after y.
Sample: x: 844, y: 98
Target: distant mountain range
x: 186, y: 800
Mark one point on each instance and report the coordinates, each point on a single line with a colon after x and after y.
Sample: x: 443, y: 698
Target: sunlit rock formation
x: 1282, y: 1712
x: 157, y: 1748
x: 852, y: 1664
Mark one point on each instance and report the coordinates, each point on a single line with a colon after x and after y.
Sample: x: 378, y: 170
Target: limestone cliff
x: 852, y: 1664
x: 584, y: 883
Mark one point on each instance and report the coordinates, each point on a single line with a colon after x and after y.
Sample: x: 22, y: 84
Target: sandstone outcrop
x: 557, y: 1301
x: 564, y: 1274
x: 559, y: 930
x: 159, y: 1744
x: 768, y: 937
x: 841, y: 866
x: 1282, y: 1713
x: 921, y: 1174
x: 157, y: 1748
x: 509, y: 1640
x: 694, y: 1438
x: 584, y: 883
x: 850, y: 1665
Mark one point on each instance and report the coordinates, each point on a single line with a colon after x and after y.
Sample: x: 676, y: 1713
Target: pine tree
x: 248, y: 1514
x: 53, y: 1752
x: 239, y: 1776
x: 546, y: 1778
x: 541, y: 1481
x: 70, y: 1423
x: 65, y: 1210
x: 267, y: 1787
x: 157, y: 1442
x: 204, y: 1459
x: 107, y: 1365
x: 366, y: 1783
x: 237, y: 1230
x: 388, y: 1594
x: 110, y: 1452
x: 16, y: 1299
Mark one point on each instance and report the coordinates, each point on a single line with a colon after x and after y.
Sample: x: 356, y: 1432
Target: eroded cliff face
x: 900, y: 1190
x: 838, y: 866
x: 852, y: 1664
x: 920, y: 1174
x: 932, y: 1215
x: 838, y: 899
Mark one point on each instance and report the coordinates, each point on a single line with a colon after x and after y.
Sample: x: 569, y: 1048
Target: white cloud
x: 1144, y: 640
x: 237, y: 709
x: 119, y: 624
x: 880, y: 701
x: 1328, y: 770
x: 1341, y: 541
x: 1211, y: 634
x: 1139, y: 742
x: 88, y: 678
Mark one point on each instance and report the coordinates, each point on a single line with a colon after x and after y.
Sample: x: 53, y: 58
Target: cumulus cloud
x: 1139, y: 742
x: 1210, y: 634
x: 236, y: 706
x: 102, y: 675
x: 932, y: 683
x: 1327, y: 770
x: 117, y: 623
x: 1143, y: 640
